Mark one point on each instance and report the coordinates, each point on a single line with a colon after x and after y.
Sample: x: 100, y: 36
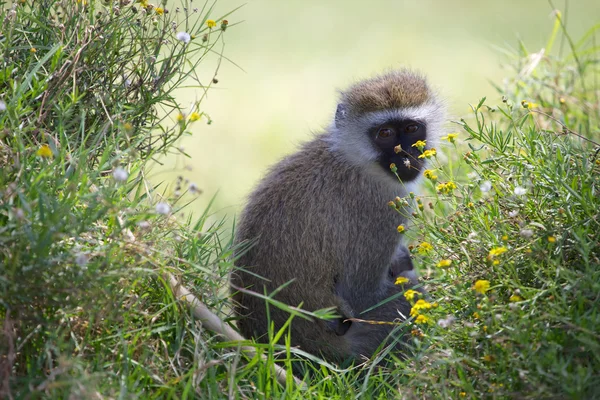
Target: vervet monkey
x: 320, y: 219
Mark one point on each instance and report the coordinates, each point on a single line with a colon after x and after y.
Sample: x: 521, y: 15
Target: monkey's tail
x: 212, y: 322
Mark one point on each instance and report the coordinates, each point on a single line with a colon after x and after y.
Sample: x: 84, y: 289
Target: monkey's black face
x: 395, y: 140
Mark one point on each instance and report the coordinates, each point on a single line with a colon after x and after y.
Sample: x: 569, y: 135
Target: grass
x: 506, y: 232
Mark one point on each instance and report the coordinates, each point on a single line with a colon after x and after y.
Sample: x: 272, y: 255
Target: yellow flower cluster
x: 481, y: 286
x: 528, y: 105
x: 424, y: 248
x: 451, y: 137
x: 427, y: 153
x: 410, y: 294
x: 194, y: 116
x: 419, y: 306
x: 159, y: 10
x: 428, y: 173
x: 446, y: 188
x: 515, y: 298
x: 494, y: 253
x: 401, y: 280
x: 44, y: 151
x: 444, y: 263
x: 420, y: 144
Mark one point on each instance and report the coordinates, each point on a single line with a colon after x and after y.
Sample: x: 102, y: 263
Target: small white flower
x: 81, y: 259
x: 19, y: 213
x: 120, y: 174
x: 163, y: 208
x: 193, y: 188
x: 143, y: 224
x: 2, y: 105
x: 446, y: 322
x: 486, y: 186
x: 473, y: 237
x: 520, y: 190
x: 526, y: 233
x: 407, y: 163
x: 472, y: 175
x: 184, y: 37
x: 513, y: 213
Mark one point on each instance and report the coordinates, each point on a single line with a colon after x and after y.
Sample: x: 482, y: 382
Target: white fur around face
x: 352, y: 141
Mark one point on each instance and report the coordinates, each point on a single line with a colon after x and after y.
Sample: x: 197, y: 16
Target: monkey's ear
x: 340, y: 115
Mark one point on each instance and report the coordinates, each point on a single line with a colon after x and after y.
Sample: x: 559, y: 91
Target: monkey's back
x: 307, y: 220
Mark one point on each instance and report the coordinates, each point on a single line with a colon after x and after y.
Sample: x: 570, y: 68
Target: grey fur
x: 322, y: 221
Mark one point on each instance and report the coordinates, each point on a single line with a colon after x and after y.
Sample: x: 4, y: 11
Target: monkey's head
x: 380, y: 119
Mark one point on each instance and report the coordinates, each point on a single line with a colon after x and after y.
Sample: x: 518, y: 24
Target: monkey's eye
x: 385, y: 133
x: 412, y: 128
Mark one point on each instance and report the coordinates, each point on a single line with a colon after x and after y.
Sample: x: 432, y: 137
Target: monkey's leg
x: 402, y: 265
x: 366, y: 337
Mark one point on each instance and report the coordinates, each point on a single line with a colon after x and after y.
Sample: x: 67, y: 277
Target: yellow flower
x: 470, y: 205
x: 211, y: 23
x: 419, y: 305
x: 515, y: 298
x: 528, y: 105
x: 410, y: 294
x: 416, y: 332
x: 428, y: 153
x: 451, y: 137
x: 463, y: 394
x: 428, y: 173
x: 400, y: 228
x: 419, y: 144
x: 424, y: 248
x: 401, y: 280
x: 505, y: 237
x: 481, y: 286
x: 44, y: 151
x: 33, y: 50
x: 444, y: 263
x: 421, y: 319
x: 496, y: 251
x: 194, y: 116
x: 159, y: 10
x: 446, y: 188
x: 180, y: 117
x: 551, y: 239
x: 476, y: 315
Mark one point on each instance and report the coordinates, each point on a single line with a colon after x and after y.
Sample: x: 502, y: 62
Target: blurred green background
x: 295, y: 55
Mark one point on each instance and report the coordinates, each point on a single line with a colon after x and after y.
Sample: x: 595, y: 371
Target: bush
x: 86, y: 103
x: 510, y: 240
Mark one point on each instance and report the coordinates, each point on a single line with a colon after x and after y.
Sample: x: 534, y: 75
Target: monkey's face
x: 395, y: 141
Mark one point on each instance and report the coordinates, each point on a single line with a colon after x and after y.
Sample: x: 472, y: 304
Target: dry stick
x: 215, y: 324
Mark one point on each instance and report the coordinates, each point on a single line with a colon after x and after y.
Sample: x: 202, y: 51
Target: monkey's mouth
x: 409, y: 160
x: 408, y: 164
